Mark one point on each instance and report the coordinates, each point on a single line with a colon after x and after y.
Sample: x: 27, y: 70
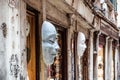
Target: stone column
x: 43, y: 69
x: 70, y: 54
x: 118, y: 64
x: 95, y: 54
x: 22, y: 27
x: 3, y: 28
x: 106, y: 58
x: 109, y: 59
x: 116, y: 60
x: 71, y: 45
x: 91, y: 56
x: 44, y: 9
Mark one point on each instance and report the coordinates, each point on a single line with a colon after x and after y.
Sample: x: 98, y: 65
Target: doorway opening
x: 59, y: 67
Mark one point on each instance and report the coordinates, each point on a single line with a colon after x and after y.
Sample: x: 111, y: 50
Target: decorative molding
x: 12, y: 3
x: 109, y: 31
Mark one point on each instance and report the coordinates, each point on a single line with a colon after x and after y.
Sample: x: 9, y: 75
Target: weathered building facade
x: 21, y: 50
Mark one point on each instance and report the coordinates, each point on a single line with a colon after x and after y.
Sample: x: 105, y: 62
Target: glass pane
x: 100, y: 63
x: 112, y: 69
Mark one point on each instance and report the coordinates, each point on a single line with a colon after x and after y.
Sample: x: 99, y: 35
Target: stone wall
x: 12, y: 20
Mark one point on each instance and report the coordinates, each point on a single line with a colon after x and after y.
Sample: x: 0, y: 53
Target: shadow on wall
x: 2, y: 74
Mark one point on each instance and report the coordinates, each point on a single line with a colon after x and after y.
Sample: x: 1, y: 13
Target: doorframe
x: 37, y: 39
x: 64, y: 51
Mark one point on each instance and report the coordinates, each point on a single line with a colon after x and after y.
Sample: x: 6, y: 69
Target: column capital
x: 111, y: 39
x: 92, y: 30
x: 107, y: 37
x: 97, y: 33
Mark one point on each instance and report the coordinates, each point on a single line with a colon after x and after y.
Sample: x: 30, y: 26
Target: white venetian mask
x: 81, y: 46
x: 49, y: 42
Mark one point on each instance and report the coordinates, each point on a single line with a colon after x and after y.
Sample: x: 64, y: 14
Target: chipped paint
x: 4, y: 28
x: 14, y: 66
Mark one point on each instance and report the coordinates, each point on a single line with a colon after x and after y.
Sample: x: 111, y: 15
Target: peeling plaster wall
x: 10, y: 51
x: 3, y: 40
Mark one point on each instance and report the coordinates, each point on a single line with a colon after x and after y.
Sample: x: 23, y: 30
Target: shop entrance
x: 59, y: 67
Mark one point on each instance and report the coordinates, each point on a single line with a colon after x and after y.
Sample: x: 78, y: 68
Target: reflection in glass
x: 100, y: 63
